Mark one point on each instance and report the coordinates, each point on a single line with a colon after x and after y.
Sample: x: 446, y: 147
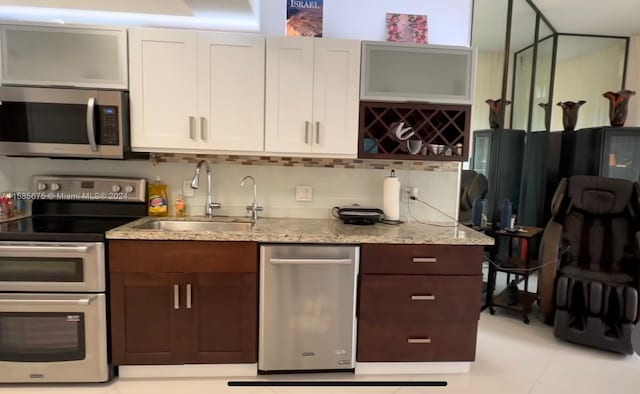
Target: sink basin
x: 182, y: 225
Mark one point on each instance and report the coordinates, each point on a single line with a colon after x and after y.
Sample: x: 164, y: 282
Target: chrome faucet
x: 254, y: 208
x: 209, y: 205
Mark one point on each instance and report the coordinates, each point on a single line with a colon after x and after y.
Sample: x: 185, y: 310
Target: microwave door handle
x: 91, y: 123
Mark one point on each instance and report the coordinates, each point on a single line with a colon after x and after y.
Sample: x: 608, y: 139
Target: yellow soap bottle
x: 157, y: 199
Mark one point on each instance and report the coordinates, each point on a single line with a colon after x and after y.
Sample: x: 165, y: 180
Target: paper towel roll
x: 391, y: 197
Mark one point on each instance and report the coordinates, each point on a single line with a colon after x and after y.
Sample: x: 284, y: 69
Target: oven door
x: 51, y: 266
x: 62, y: 122
x: 53, y: 338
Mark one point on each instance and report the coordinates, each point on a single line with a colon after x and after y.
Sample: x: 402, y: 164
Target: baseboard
x: 412, y: 368
x: 187, y: 371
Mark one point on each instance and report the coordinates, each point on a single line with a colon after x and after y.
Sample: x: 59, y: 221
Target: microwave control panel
x: 109, y: 127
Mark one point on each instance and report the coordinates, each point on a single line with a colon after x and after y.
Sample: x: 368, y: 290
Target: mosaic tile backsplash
x: 446, y: 166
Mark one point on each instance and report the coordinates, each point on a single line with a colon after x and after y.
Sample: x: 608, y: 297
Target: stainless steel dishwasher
x: 307, y: 307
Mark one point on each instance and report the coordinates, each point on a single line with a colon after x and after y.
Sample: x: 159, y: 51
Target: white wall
x: 276, y: 185
x: 633, y: 81
x: 449, y: 22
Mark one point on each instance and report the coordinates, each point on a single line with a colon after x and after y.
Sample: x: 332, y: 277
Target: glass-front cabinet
x: 417, y: 72
x: 621, y: 155
x: 64, y: 56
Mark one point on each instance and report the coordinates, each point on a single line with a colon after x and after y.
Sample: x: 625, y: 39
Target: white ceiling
x: 606, y: 17
x: 211, y: 14
x: 603, y: 17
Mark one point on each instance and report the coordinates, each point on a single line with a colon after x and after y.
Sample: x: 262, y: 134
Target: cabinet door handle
x: 192, y: 128
x: 419, y: 340
x: 425, y: 260
x: 188, y: 295
x: 317, y: 132
x: 203, y: 128
x: 428, y: 297
x: 306, y: 132
x: 176, y: 296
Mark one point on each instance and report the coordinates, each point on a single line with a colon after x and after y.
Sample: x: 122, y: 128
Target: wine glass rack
x: 440, y: 131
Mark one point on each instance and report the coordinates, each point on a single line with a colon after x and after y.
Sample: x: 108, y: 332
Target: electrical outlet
x: 187, y: 191
x: 406, y: 192
x: 304, y: 193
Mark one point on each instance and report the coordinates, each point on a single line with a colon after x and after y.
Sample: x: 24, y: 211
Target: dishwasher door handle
x: 311, y: 261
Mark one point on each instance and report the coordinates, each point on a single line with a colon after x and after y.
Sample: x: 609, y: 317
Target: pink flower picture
x: 407, y: 28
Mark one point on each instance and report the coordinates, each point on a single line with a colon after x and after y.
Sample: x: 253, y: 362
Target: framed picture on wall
x: 304, y: 18
x: 407, y: 28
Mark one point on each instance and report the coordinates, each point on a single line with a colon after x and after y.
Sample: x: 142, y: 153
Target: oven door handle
x: 44, y: 249
x: 91, y: 123
x: 18, y: 301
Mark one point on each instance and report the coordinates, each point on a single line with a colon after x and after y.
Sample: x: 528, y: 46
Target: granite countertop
x: 3, y: 220
x: 290, y: 230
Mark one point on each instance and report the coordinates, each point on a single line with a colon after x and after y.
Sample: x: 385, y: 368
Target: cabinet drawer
x: 420, y: 298
x: 416, y: 342
x: 182, y: 256
x: 421, y: 259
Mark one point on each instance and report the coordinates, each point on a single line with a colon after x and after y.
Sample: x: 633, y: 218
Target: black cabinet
x: 604, y: 151
x: 541, y: 172
x: 498, y: 155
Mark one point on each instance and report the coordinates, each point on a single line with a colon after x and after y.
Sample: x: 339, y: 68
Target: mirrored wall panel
x: 586, y: 67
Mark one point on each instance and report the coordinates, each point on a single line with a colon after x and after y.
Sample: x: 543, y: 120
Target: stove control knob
x: 55, y: 187
x: 115, y: 188
x: 128, y: 189
x: 42, y: 187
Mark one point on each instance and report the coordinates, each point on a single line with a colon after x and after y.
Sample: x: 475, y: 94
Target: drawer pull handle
x: 423, y: 298
x: 419, y: 340
x: 425, y: 260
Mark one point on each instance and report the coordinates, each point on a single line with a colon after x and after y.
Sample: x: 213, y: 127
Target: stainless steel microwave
x: 74, y: 123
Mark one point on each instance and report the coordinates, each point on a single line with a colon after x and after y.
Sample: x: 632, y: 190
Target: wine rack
x: 438, y: 131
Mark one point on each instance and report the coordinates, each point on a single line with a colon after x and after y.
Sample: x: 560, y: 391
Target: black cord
x: 536, y: 268
x: 432, y: 207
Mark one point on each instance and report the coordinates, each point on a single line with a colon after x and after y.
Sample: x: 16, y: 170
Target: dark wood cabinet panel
x: 212, y: 320
x: 182, y: 256
x: 421, y: 259
x: 145, y: 326
x: 406, y: 341
x: 419, y: 303
x: 225, y: 318
x: 419, y: 297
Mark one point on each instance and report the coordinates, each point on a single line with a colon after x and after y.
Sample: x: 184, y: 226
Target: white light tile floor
x: 512, y: 358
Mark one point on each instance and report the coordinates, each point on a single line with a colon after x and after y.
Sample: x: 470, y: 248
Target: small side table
x: 513, y: 265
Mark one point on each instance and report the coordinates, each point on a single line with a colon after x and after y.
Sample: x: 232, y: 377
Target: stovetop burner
x: 60, y: 228
x: 80, y: 209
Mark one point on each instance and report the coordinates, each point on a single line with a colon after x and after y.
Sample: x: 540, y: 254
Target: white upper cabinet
x: 231, y: 91
x: 163, y: 92
x: 64, y: 56
x: 196, y: 91
x: 417, y: 72
x: 312, y: 96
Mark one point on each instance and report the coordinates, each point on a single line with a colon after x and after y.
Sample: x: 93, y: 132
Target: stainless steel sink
x: 182, y: 225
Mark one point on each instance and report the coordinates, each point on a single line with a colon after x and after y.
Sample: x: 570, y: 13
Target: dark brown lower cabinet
x: 160, y: 315
x: 419, y: 303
